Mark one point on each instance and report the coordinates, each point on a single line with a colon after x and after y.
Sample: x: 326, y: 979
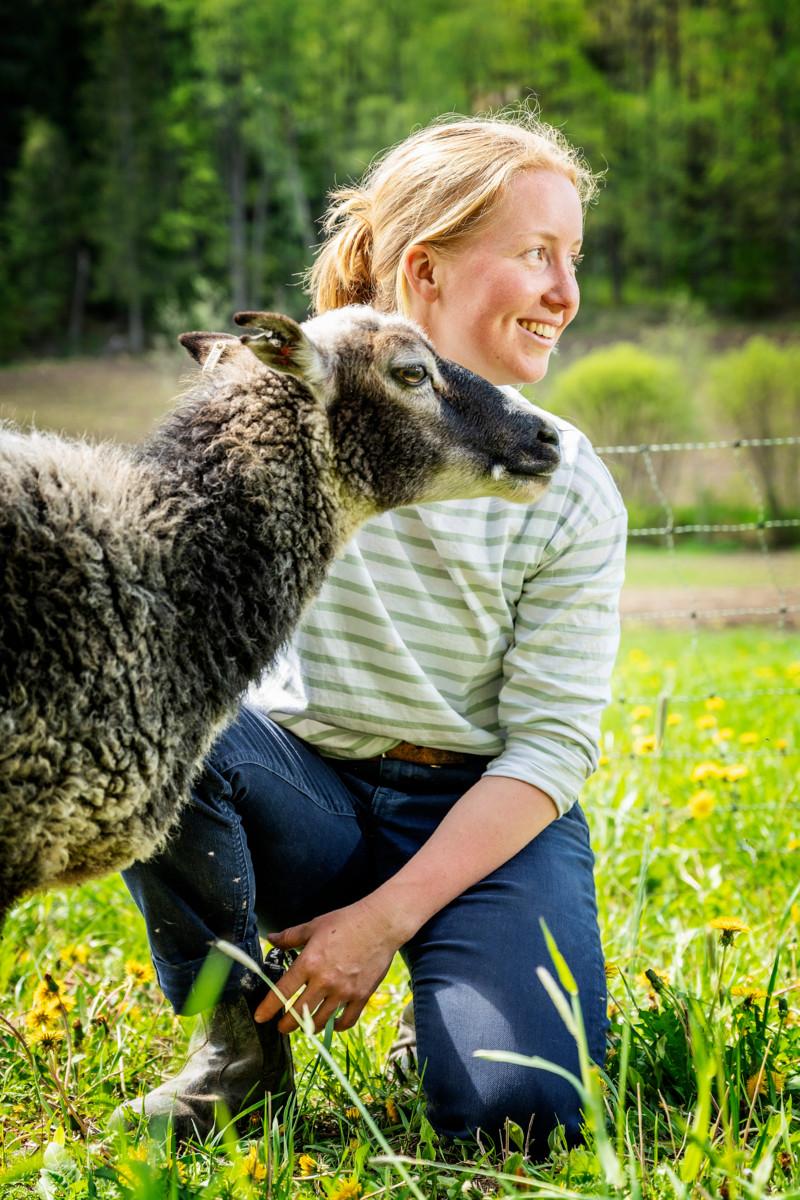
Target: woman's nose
x: 562, y: 290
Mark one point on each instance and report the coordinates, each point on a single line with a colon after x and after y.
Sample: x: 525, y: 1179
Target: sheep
x: 143, y: 589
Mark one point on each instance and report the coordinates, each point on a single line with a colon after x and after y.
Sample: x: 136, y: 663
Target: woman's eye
x: 413, y: 376
x: 537, y: 254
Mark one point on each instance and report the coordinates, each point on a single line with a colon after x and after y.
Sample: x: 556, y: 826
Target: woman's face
x: 499, y: 303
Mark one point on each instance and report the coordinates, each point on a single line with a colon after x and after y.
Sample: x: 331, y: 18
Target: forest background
x: 163, y: 157
x: 166, y: 162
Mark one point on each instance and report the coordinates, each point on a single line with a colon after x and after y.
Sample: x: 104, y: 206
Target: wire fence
x: 774, y: 603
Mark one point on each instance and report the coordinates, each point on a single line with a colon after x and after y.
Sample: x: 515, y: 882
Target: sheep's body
x: 82, y: 750
x: 111, y: 692
x: 140, y: 593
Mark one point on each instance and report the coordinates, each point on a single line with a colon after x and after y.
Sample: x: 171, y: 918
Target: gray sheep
x: 142, y: 590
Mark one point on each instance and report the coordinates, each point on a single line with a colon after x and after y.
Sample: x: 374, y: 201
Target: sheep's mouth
x: 540, y: 464
x: 524, y: 471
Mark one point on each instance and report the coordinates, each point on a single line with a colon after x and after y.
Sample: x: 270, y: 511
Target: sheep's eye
x: 412, y: 375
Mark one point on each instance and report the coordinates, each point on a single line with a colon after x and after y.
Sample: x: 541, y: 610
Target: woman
x: 413, y: 783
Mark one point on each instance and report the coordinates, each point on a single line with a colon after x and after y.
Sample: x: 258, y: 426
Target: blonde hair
x: 437, y: 186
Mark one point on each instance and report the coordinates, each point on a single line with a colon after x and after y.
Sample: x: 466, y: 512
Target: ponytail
x: 342, y: 272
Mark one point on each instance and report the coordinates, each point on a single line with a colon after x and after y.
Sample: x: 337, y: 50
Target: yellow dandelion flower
x: 174, y: 1165
x: 47, y: 1039
x: 42, y: 1018
x: 674, y: 719
x: 141, y: 972
x: 135, y: 1154
x: 722, y: 735
x: 638, y: 658
x: 781, y: 743
x: 701, y: 804
x: 645, y: 978
x: 757, y: 1084
x: 603, y: 760
x: 735, y: 771
x: 611, y: 968
x: 793, y: 668
x: 69, y: 955
x: 645, y: 745
x: 641, y: 712
x: 253, y: 1166
x: 749, y: 738
x: 748, y: 991
x: 45, y: 990
x: 348, y: 1189
x: 391, y: 1109
x: 352, y: 1113
x: 307, y: 1164
x: 60, y: 1004
x: 715, y: 703
x: 794, y: 844
x: 728, y: 927
x: 706, y: 721
x: 132, y: 1011
x: 795, y: 913
x: 707, y: 770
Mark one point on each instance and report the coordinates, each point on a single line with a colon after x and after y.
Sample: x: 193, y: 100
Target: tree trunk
x: 80, y: 290
x: 258, y: 238
x: 302, y: 211
x: 237, y: 187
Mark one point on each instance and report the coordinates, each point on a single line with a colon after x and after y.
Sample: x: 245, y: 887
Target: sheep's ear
x: 281, y: 344
x: 209, y: 348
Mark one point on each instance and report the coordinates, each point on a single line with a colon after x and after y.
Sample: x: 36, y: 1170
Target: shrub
x: 622, y: 395
x: 756, y: 393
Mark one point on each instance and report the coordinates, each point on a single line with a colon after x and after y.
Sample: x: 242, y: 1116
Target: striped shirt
x: 481, y: 626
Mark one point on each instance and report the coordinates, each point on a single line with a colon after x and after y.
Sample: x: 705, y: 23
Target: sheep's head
x: 406, y: 425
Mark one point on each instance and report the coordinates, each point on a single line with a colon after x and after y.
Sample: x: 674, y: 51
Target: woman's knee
x: 535, y: 1100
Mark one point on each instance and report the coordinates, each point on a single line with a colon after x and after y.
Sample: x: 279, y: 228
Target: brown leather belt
x: 427, y: 756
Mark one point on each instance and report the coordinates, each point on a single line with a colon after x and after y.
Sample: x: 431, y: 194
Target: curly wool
x: 140, y: 595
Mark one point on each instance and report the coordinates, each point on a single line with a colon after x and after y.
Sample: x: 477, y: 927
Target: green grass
x: 119, y: 398
x: 702, y: 1083
x: 697, y: 565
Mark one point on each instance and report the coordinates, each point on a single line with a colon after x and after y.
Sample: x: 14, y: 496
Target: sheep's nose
x: 548, y: 435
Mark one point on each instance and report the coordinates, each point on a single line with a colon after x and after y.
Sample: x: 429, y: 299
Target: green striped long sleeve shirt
x: 480, y: 626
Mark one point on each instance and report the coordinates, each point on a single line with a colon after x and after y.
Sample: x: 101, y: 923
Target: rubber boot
x: 233, y: 1063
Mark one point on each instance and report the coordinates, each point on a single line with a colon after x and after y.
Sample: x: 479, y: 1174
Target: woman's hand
x: 346, y: 954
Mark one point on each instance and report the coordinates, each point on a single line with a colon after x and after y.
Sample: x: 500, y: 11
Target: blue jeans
x: 275, y: 835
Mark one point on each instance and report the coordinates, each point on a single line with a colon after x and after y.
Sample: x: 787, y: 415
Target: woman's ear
x: 421, y: 269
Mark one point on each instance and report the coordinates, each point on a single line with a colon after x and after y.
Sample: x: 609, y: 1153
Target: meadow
x: 694, y: 817
x: 696, y: 828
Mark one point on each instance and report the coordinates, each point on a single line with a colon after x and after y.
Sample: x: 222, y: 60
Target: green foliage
x: 198, y: 140
x: 41, y: 228
x: 625, y: 395
x: 756, y: 392
x: 622, y: 395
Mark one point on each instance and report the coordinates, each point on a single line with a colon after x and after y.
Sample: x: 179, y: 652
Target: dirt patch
x: 718, y: 607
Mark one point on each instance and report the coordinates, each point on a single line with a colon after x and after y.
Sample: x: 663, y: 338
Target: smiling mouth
x: 540, y: 330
